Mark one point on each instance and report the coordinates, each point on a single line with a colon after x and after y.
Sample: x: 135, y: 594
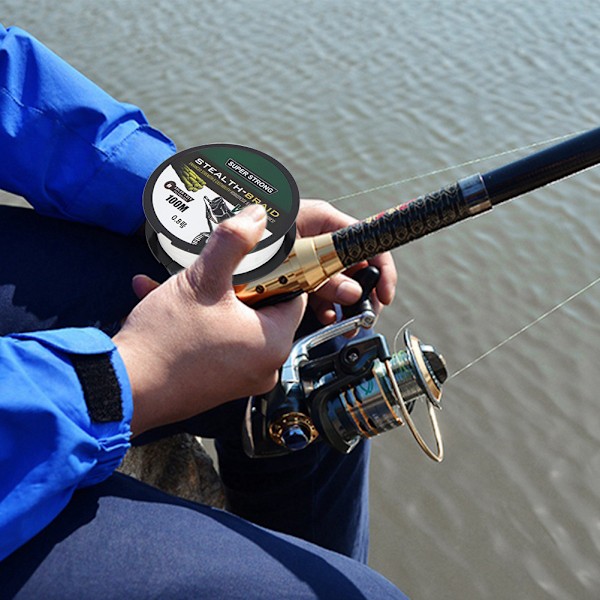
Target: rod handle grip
x: 400, y: 225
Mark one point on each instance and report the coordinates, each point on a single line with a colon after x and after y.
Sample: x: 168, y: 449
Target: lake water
x: 352, y: 96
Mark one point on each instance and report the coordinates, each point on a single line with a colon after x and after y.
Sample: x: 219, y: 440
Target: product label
x: 190, y: 194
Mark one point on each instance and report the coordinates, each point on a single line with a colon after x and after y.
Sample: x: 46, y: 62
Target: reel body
x: 358, y: 392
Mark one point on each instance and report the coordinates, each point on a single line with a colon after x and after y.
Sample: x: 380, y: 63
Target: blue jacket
x: 76, y: 153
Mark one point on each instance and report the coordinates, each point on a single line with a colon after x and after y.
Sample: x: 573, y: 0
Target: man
x: 71, y: 396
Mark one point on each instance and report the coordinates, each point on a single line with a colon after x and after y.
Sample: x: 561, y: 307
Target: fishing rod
x: 312, y: 261
x: 363, y: 389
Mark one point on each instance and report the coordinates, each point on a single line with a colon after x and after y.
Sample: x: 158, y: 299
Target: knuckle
x: 190, y: 283
x: 280, y: 354
x: 266, y: 383
x: 321, y: 205
x: 273, y: 359
x: 229, y: 232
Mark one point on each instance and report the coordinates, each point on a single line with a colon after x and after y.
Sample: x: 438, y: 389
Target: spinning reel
x: 357, y: 392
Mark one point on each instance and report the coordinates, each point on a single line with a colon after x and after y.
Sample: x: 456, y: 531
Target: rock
x: 178, y: 465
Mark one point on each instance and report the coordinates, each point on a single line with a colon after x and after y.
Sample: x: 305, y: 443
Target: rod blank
x: 544, y: 167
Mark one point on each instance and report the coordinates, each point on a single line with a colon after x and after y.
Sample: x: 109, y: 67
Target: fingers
x: 340, y: 289
x: 386, y: 287
x: 316, y: 217
x: 285, y: 317
x: 280, y: 322
x: 142, y: 285
x: 212, y: 272
x: 323, y: 310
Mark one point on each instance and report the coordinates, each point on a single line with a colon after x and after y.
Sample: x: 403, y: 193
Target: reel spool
x: 385, y: 399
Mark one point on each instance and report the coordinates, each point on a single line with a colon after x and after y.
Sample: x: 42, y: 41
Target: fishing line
x: 458, y: 166
x: 526, y: 327
x: 398, y: 333
x: 467, y: 163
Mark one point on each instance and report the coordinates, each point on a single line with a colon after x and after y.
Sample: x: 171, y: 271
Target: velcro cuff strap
x: 100, y: 385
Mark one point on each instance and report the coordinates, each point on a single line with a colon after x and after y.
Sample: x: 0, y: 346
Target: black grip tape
x: 400, y: 225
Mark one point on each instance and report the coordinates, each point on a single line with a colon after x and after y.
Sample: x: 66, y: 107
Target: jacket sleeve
x: 52, y: 440
x: 68, y: 147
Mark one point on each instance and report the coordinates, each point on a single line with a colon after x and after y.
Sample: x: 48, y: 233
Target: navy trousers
x: 296, y: 526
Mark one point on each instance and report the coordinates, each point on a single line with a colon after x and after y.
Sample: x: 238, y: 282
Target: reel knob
x: 435, y: 363
x: 295, y: 437
x: 293, y: 430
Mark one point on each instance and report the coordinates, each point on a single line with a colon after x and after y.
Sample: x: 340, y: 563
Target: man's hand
x: 316, y: 217
x: 191, y: 345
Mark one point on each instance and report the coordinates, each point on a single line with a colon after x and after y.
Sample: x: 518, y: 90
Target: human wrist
x: 145, y: 381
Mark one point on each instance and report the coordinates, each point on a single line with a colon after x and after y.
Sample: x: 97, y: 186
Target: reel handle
x: 367, y: 278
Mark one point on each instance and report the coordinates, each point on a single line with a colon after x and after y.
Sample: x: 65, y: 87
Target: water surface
x: 351, y: 96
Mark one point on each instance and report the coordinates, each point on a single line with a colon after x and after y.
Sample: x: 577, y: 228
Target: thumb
x: 226, y: 247
x: 142, y: 285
